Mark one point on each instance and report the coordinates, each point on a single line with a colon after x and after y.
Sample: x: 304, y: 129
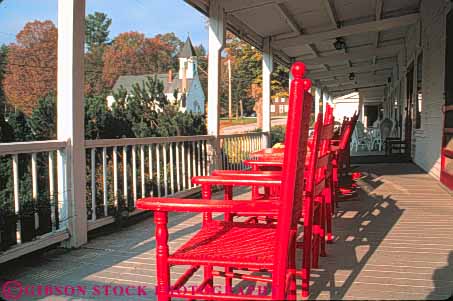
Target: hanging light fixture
x: 339, y: 44
x: 351, y: 76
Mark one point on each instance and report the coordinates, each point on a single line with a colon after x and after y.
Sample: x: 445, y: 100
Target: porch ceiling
x: 373, y: 31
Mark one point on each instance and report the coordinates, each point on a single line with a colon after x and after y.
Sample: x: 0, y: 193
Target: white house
x: 186, y: 82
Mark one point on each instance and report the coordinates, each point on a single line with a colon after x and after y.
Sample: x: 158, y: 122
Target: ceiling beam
x: 373, y: 26
x: 379, y: 9
x: 330, y: 8
x: 288, y: 18
x: 315, y: 53
x: 359, y: 69
x: 313, y: 50
x: 232, y: 6
x: 358, y: 53
x: 358, y: 82
x: 243, y: 31
x: 352, y: 88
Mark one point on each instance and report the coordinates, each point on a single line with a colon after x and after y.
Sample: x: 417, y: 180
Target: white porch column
x: 268, y: 66
x: 325, y: 99
x: 70, y: 123
x: 216, y: 44
x: 361, y: 108
x: 318, y: 94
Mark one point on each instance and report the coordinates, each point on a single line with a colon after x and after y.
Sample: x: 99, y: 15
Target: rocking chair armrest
x: 335, y: 148
x: 237, y: 180
x: 248, y: 173
x: 199, y: 205
x: 335, y: 142
x: 264, y: 163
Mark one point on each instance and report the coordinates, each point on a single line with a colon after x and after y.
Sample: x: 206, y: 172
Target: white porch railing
x: 35, y: 214
x: 236, y: 148
x: 123, y: 170
x: 118, y: 172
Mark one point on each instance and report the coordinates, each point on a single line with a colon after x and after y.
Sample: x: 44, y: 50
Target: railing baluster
x: 115, y: 176
x: 231, y: 153
x: 125, y: 177
x: 164, y: 152
x: 93, y: 184
x: 194, y: 160
x: 63, y: 204
x: 249, y: 146
x: 104, y: 180
x: 222, y: 150
x: 158, y: 168
x: 150, y: 163
x: 183, y: 156
x: 238, y: 158
x: 226, y: 149
x: 34, y: 181
x: 199, y: 157
x: 189, y: 169
x: 178, y: 180
x: 142, y: 169
x: 134, y: 173
x: 243, y: 150
x: 204, y: 159
x: 16, y: 192
x: 52, y: 192
x: 172, y: 176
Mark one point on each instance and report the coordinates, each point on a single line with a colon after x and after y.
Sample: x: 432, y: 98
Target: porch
x: 392, y: 243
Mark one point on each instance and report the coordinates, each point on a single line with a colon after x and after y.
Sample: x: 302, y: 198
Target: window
x: 272, y: 108
x: 419, y: 100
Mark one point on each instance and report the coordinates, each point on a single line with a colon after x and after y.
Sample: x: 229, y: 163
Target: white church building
x: 186, y: 82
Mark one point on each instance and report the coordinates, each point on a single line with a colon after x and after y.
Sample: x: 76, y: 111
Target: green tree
x: 246, y: 70
x: 6, y: 131
x: 99, y: 120
x: 43, y: 119
x: 20, y: 128
x: 3, y: 61
x: 141, y: 107
x: 97, y: 32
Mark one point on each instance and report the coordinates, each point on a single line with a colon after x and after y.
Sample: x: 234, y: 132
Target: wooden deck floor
x: 394, y: 242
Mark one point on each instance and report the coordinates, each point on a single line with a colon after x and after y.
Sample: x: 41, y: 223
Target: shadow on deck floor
x: 393, y: 242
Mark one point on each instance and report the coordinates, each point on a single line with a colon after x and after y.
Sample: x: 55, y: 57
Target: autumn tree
x: 97, y: 27
x: 175, y: 45
x: 131, y: 53
x: 31, y: 70
x: 280, y: 81
x: 246, y: 64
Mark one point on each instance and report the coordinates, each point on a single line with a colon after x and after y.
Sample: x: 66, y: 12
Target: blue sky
x: 147, y: 16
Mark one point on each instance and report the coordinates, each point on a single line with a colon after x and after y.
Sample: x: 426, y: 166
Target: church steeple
x: 188, y: 61
x: 187, y: 51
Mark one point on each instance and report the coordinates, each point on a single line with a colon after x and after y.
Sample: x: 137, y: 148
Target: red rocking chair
x: 314, y: 185
x: 234, y: 245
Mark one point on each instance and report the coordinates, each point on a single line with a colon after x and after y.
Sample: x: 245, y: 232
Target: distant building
x: 190, y: 96
x: 279, y: 106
